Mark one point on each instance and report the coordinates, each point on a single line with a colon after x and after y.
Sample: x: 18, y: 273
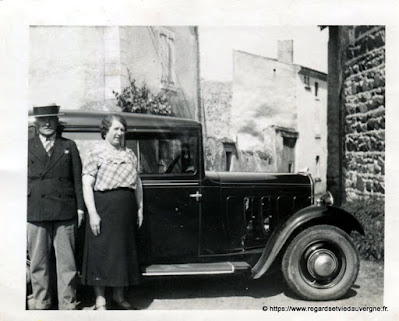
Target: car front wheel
x: 321, y: 263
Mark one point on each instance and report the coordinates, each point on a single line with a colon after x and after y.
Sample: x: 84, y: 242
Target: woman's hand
x: 140, y: 217
x: 88, y: 183
x: 95, y: 221
x: 139, y: 197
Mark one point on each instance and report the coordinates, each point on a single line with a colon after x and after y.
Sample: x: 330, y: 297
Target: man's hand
x: 81, y: 216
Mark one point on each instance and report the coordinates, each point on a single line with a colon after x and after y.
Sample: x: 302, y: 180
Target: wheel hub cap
x: 322, y: 263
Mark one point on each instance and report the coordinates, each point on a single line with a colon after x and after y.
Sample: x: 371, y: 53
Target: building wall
x: 88, y: 63
x: 217, y: 101
x: 356, y: 121
x: 263, y: 96
x: 64, y: 65
x: 335, y: 134
x: 312, y: 129
x: 143, y: 53
x: 268, y: 94
x: 142, y: 57
x: 241, y: 161
x: 364, y: 107
x: 187, y: 66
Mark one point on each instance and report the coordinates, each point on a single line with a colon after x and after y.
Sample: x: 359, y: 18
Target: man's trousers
x: 42, y: 237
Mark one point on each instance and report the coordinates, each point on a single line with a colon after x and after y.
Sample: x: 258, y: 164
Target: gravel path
x: 238, y: 293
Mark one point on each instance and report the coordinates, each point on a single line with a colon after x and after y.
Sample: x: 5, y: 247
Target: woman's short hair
x: 106, y: 123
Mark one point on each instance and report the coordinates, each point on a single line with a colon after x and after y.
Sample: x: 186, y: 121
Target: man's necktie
x: 47, y: 146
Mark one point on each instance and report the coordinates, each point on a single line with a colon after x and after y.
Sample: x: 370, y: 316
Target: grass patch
x: 370, y: 213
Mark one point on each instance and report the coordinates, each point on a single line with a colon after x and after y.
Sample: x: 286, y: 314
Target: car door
x: 169, y: 169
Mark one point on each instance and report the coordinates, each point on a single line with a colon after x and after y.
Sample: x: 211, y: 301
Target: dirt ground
x: 238, y: 293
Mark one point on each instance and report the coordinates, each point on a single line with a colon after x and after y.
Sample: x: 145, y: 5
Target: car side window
x: 165, y: 154
x: 85, y: 141
x: 157, y: 153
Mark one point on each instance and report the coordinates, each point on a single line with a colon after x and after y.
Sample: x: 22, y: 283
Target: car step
x: 196, y: 268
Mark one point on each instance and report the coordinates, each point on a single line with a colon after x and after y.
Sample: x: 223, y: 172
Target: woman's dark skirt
x: 110, y: 259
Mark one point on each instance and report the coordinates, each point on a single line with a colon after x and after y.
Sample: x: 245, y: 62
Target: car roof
x: 92, y: 119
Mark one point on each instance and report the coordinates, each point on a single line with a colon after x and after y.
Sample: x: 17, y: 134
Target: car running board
x: 196, y: 268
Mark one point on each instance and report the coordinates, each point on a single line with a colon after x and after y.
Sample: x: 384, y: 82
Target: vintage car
x: 198, y: 222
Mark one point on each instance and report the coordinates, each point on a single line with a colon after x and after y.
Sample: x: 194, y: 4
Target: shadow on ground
x: 194, y: 287
x: 350, y: 294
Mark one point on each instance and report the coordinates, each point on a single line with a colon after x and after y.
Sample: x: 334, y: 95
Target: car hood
x: 240, y: 178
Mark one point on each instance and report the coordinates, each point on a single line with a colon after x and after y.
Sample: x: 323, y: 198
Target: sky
x: 218, y: 43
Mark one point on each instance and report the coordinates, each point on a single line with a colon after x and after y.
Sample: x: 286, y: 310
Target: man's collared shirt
x: 47, y: 140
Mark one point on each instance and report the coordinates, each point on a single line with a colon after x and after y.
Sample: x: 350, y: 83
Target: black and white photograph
x: 178, y: 166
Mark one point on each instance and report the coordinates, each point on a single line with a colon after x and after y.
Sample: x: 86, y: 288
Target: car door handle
x: 197, y: 196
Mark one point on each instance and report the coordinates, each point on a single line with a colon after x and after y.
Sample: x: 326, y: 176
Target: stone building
x: 217, y: 97
x: 216, y: 101
x: 356, y: 112
x: 274, y: 116
x: 221, y: 152
x: 79, y: 67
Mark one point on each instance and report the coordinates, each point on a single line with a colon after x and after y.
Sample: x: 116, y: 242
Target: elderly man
x: 55, y: 207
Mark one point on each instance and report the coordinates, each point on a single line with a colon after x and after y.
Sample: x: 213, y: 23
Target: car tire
x: 321, y: 263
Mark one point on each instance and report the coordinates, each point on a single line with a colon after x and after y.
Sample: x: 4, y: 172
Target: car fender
x: 308, y: 216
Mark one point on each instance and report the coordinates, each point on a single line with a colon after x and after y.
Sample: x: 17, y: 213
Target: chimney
x: 285, y: 51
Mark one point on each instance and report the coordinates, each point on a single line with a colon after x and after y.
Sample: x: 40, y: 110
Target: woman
x: 113, y: 195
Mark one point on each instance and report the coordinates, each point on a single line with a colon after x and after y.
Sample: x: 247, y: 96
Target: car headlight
x: 326, y: 199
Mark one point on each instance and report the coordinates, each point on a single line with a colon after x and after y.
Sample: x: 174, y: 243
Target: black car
x: 198, y: 222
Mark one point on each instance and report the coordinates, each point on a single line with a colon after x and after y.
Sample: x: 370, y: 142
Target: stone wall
x: 364, y: 112
x: 216, y: 101
x: 242, y: 161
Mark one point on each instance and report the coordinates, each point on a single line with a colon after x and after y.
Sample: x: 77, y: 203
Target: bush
x: 136, y: 99
x: 370, y: 214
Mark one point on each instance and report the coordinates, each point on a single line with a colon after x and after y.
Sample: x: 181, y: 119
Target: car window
x: 165, y: 154
x: 157, y: 153
x: 85, y: 141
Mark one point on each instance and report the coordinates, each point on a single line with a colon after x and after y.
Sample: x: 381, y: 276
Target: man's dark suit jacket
x: 54, y: 183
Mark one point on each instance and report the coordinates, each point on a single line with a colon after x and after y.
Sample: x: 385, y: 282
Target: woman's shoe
x: 122, y: 305
x: 100, y: 306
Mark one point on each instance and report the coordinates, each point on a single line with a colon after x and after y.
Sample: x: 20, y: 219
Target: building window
x: 306, y: 80
x: 317, y: 178
x: 228, y: 160
x: 316, y: 88
x: 167, y: 57
x: 230, y: 150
